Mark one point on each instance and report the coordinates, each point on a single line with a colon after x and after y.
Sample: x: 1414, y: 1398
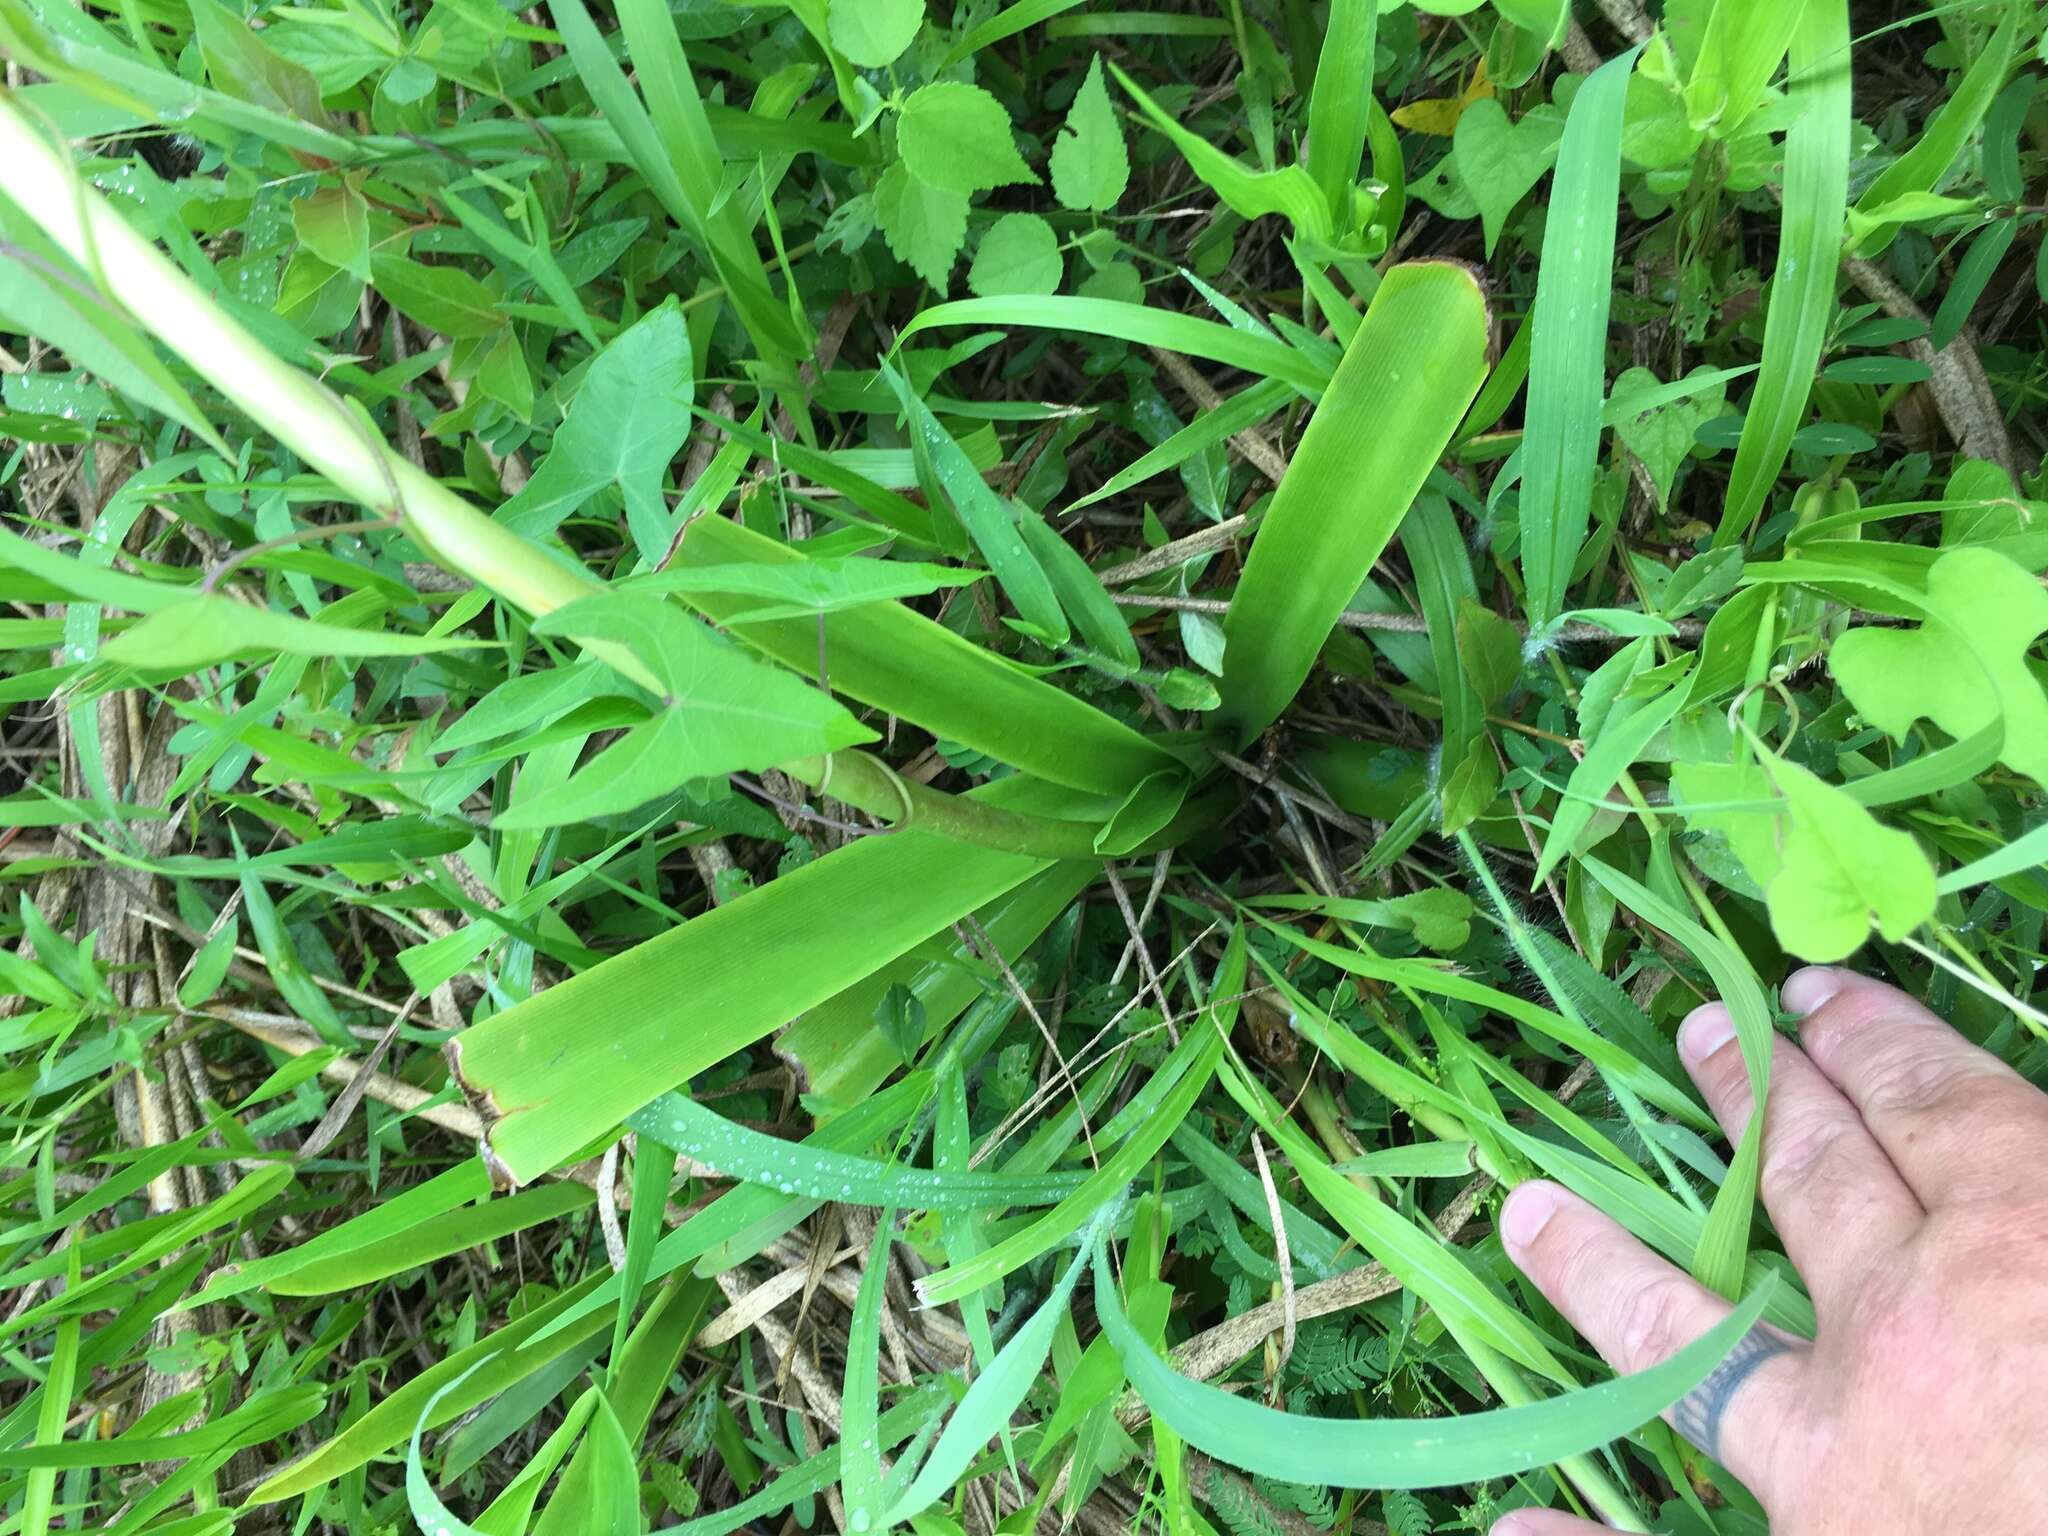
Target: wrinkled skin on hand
x: 1907, y: 1172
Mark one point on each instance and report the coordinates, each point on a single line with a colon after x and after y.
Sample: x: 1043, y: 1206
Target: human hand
x: 1907, y: 1172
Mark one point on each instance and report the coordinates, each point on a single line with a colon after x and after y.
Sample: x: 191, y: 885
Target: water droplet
x: 861, y: 1520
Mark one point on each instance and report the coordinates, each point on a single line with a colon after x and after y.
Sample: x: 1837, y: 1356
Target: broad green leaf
x: 1090, y: 166
x: 334, y: 224
x: 957, y: 137
x: 1568, y: 353
x: 1664, y: 436
x: 1499, y: 162
x: 1828, y: 868
x: 723, y: 711
x: 749, y: 967
x: 874, y: 33
x: 924, y: 225
x: 903, y: 663
x: 243, y: 65
x: 1019, y: 254
x: 630, y: 416
x: 1965, y: 668
x: 1490, y: 650
x: 1397, y: 397
x: 441, y: 298
x: 1802, y: 302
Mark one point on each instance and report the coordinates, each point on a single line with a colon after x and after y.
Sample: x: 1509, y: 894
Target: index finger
x: 1637, y: 1310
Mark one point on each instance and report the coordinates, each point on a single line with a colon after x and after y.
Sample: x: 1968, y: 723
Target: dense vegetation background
x: 1013, y: 695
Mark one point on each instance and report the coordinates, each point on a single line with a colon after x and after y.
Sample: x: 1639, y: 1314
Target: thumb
x: 1543, y: 1522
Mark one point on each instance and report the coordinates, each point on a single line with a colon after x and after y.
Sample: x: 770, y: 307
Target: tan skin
x: 1907, y: 1172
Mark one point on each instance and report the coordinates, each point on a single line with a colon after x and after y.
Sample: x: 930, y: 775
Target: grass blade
x: 1724, y: 1245
x: 1137, y: 323
x: 1415, y: 1453
x: 1927, y: 159
x: 688, y: 1127
x: 1809, y: 248
x: 984, y: 1413
x: 1568, y: 339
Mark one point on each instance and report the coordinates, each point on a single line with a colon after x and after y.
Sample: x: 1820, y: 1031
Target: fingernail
x: 1705, y: 1030
x: 1526, y: 1214
x: 1511, y: 1525
x: 1804, y: 991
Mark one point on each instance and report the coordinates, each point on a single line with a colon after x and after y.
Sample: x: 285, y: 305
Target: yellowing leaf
x: 1439, y: 115
x: 1965, y: 669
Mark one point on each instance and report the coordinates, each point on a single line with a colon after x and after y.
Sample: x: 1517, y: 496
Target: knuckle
x: 1828, y: 1034
x: 1805, y: 1158
x: 1906, y: 1082
x: 1653, y: 1323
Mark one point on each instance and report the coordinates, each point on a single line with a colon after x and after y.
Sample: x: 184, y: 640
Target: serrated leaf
x: 958, y: 138
x: 924, y: 225
x: 1090, y: 165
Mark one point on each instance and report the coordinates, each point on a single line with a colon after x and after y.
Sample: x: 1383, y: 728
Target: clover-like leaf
x: 1965, y: 668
